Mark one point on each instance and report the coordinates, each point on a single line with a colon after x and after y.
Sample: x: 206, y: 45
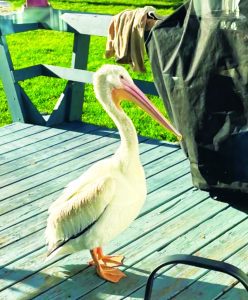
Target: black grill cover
x: 200, y: 68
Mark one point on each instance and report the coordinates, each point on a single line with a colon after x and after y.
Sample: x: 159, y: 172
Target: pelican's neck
x: 129, y: 142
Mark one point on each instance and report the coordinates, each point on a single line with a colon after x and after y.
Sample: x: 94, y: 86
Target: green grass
x: 46, y: 47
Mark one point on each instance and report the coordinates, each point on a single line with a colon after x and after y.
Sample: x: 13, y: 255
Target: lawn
x: 46, y: 47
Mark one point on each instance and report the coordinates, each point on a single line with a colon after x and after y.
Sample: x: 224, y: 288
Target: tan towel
x: 126, y: 37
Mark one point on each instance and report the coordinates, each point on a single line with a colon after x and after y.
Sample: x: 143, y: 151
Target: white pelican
x: 102, y: 202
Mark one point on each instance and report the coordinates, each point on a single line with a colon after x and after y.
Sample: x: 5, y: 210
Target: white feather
x: 110, y: 194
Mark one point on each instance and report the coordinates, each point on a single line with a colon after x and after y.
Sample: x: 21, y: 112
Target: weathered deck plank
x: 27, y: 212
x: 31, y: 150
x: 218, y: 283
x: 175, y: 219
x: 11, y: 128
x: 149, y: 157
x: 218, y: 249
x: 27, y: 133
x: 234, y: 293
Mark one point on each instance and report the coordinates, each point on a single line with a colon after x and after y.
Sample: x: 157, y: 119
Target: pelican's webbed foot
x: 107, y: 260
x: 110, y: 274
x: 105, y: 263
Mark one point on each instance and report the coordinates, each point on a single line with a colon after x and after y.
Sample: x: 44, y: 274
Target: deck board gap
x: 33, y: 180
x: 204, y: 273
x: 56, y: 154
x: 31, y: 134
x: 63, y: 281
x: 28, y: 145
x: 20, y: 257
x: 169, y: 167
x: 169, y: 267
x: 27, y: 203
x: 44, y: 182
x: 21, y: 238
x: 136, y: 262
x: 70, y: 160
x: 24, y: 220
x: 80, y: 134
x: 173, y: 180
x: 197, y: 224
x: 34, y: 200
x: 33, y: 273
x: 4, y: 130
x: 57, y: 165
x: 165, y: 156
x: 36, y: 142
x: 167, y: 200
x: 141, y: 215
x: 156, y: 227
x: 229, y: 289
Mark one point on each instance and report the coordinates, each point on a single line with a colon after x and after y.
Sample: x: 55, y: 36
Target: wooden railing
x: 69, y: 106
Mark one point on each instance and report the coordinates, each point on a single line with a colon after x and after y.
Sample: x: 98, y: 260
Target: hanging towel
x: 126, y: 36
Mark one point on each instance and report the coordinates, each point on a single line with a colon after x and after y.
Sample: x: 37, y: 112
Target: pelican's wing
x: 76, y: 186
x: 77, y: 214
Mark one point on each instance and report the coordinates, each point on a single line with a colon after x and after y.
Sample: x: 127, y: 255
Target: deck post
x: 12, y: 89
x: 70, y: 104
x: 79, y: 61
x: 21, y: 108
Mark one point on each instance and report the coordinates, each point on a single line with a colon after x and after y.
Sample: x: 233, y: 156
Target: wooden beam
x: 32, y: 115
x: 61, y: 110
x: 71, y: 74
x: 11, y: 89
x: 27, y: 73
x: 80, y: 56
x: 147, y: 87
x: 81, y: 23
x: 9, y: 27
x: 67, y: 73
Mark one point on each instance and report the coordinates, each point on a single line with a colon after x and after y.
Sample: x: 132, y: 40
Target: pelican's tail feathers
x: 57, y: 251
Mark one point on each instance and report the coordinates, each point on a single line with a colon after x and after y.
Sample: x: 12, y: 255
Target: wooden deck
x: 37, y: 162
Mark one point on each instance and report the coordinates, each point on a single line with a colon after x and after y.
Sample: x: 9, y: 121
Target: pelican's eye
x: 121, y: 77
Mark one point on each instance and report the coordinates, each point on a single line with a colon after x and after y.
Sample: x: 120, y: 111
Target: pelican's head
x: 115, y: 81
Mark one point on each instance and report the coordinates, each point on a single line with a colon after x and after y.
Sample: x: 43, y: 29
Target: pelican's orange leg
x: 107, y: 273
x: 108, y: 260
